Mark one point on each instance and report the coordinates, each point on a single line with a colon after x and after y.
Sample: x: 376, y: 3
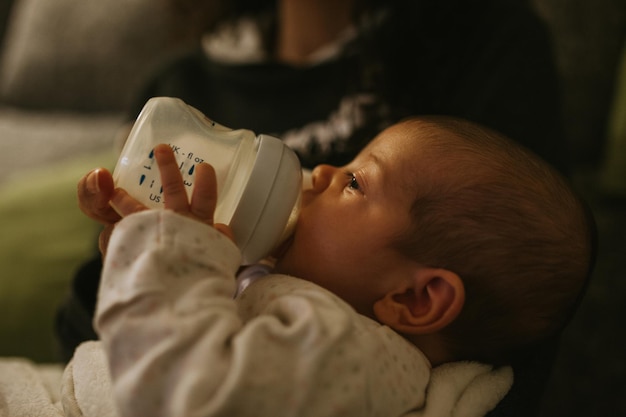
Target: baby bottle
x: 259, y: 179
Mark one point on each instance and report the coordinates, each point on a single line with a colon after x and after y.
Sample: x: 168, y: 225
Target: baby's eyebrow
x: 381, y: 178
x: 375, y: 158
x: 392, y: 181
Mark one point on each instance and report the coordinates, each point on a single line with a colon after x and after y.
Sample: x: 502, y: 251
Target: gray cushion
x: 80, y: 54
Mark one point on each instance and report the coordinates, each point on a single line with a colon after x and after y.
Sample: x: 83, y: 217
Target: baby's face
x: 351, y: 217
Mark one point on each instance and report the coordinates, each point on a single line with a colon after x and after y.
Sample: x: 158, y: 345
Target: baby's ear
x: 425, y: 303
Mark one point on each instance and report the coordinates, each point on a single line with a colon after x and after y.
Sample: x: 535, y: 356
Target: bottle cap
x: 268, y: 201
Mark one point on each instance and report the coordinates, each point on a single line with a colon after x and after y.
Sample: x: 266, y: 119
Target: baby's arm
x: 165, y: 311
x: 165, y: 304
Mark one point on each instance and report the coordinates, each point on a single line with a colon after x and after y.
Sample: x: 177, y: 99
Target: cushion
x: 44, y: 240
x: 84, y: 55
x: 31, y: 139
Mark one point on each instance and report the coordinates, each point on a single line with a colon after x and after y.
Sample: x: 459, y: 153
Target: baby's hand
x: 204, y: 195
x: 99, y: 199
x: 203, y: 199
x: 94, y: 193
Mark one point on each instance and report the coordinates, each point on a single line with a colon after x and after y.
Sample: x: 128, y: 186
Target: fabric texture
x: 27, y: 389
x: 86, y: 389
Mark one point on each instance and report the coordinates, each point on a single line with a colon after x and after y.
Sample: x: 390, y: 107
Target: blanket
x: 83, y: 388
x: 28, y: 389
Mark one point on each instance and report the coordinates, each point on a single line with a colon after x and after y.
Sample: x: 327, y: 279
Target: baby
x: 442, y: 243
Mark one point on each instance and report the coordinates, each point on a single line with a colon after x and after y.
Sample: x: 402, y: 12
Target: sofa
x: 69, y: 70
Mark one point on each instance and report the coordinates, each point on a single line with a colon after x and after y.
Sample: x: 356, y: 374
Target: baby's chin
x: 279, y: 253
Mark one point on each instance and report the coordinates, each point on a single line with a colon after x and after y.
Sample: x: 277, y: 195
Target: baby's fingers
x: 124, y: 204
x: 204, y: 197
x: 94, y: 192
x: 171, y: 179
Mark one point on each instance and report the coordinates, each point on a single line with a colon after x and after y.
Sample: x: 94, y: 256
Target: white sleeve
x: 178, y: 344
x: 166, y: 309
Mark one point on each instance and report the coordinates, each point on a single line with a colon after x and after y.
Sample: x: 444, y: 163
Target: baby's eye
x: 352, y: 181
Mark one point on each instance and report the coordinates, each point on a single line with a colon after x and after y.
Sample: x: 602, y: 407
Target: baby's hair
x: 509, y: 225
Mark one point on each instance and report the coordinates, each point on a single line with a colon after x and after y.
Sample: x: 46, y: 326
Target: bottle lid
x: 268, y: 200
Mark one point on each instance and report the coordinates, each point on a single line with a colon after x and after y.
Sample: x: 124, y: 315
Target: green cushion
x: 43, y: 239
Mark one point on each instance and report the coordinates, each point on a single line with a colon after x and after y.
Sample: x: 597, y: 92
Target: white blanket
x: 460, y: 389
x: 28, y: 390
x: 35, y: 390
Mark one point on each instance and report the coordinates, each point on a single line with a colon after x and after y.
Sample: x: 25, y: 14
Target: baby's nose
x: 321, y: 177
